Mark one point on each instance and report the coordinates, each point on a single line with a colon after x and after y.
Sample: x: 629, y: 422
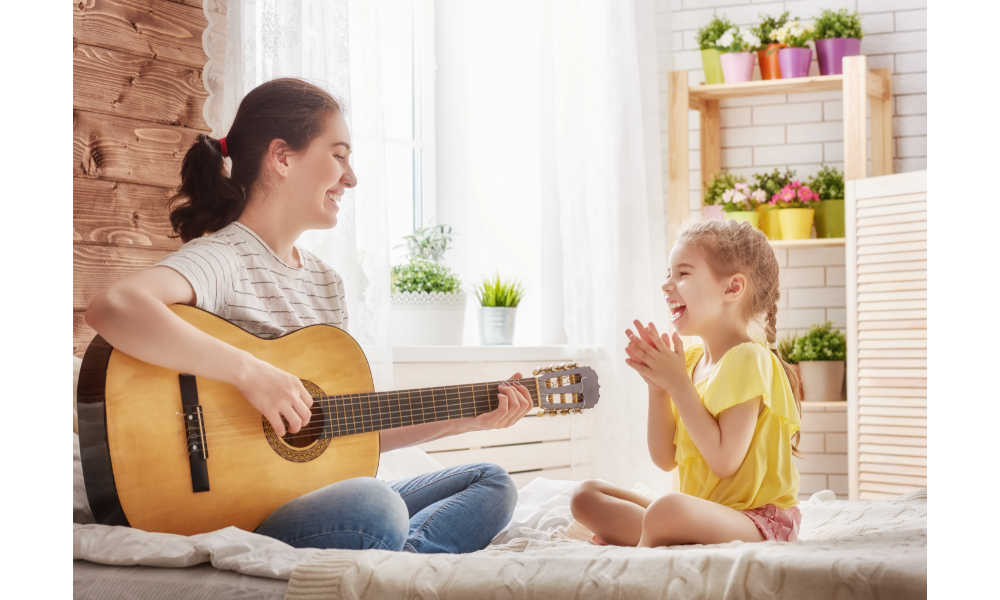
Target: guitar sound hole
x: 309, y: 433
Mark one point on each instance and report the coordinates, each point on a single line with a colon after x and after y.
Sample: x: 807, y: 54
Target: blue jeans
x: 455, y: 511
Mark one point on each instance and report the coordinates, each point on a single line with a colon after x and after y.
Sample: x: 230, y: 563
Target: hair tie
x: 225, y: 150
x: 772, y: 345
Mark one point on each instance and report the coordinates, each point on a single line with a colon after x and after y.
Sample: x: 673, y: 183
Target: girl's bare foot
x: 597, y: 540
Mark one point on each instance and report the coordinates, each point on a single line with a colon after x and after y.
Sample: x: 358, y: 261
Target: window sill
x: 477, y: 354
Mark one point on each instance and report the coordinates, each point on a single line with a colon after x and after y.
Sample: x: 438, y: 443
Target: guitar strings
x: 448, y: 391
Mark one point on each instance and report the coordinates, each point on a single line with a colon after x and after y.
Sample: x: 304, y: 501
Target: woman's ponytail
x: 214, y: 200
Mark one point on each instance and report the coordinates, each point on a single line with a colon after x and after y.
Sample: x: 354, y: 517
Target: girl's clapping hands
x: 660, y: 363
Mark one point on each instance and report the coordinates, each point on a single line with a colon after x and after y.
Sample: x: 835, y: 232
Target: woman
x: 289, y: 146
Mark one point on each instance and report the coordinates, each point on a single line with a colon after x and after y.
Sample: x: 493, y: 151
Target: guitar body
x: 133, y: 438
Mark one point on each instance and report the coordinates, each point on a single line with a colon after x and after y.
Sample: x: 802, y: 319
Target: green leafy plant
x: 772, y: 182
x: 839, y: 24
x: 828, y: 182
x: 769, y: 24
x: 738, y: 40
x: 422, y: 275
x: 823, y: 342
x: 497, y: 292
x: 716, y: 28
x: 429, y: 243
x: 785, y: 347
x: 718, y: 185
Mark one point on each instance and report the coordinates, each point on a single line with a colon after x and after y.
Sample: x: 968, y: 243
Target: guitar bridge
x: 194, y: 427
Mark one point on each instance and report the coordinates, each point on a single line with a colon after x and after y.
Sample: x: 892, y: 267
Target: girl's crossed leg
x: 625, y: 518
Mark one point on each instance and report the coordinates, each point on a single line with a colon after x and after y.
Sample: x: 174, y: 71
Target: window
x: 406, y: 33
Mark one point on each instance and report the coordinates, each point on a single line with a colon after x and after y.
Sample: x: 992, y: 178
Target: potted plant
x: 771, y: 183
x: 707, y: 36
x: 767, y: 56
x: 739, y: 203
x: 737, y: 46
x: 428, y: 306
x: 712, y: 200
x: 785, y: 346
x: 828, y: 183
x: 796, y: 214
x: 498, y: 300
x: 821, y: 355
x: 838, y: 34
x: 796, y: 57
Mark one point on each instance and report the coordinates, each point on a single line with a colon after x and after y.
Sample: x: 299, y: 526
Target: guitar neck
x: 373, y: 411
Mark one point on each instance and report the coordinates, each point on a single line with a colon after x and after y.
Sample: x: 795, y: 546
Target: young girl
x: 724, y: 412
x: 289, y: 146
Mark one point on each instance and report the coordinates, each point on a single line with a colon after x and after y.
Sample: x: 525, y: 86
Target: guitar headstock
x: 566, y: 388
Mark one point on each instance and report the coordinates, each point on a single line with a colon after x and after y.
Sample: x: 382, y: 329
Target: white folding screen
x: 887, y: 335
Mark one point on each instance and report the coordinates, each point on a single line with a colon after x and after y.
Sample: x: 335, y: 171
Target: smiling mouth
x: 677, y: 310
x: 335, y: 198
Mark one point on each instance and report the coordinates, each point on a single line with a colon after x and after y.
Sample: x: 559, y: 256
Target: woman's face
x: 318, y: 177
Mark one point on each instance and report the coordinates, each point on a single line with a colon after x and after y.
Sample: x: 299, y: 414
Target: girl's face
x: 318, y: 177
x: 698, y: 301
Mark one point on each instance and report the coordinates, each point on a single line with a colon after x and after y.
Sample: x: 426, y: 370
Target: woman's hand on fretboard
x: 514, y: 401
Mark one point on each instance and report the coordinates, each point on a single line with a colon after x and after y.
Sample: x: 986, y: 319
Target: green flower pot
x: 712, y: 64
x: 830, y: 219
x: 749, y: 216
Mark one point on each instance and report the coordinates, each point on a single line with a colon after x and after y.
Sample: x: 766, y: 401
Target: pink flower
x: 787, y: 194
x: 796, y: 184
x: 727, y: 196
x: 743, y: 187
x: 759, y: 196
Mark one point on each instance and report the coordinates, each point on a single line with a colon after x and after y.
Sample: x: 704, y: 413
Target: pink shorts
x: 777, y: 524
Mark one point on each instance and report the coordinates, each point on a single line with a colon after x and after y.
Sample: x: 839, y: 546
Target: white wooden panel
x: 899, y: 363
x: 916, y: 480
x: 886, y: 273
x: 893, y: 219
x: 891, y: 209
x: 891, y: 411
x: 892, y: 460
x: 528, y: 429
x: 895, y: 421
x: 521, y: 457
x: 893, y: 353
x: 893, y: 469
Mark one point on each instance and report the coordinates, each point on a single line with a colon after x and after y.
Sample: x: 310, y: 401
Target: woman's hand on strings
x: 277, y: 394
x: 651, y: 355
x: 513, y: 402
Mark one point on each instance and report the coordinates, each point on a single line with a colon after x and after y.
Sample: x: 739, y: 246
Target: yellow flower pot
x: 769, y: 223
x: 796, y: 223
x: 744, y: 215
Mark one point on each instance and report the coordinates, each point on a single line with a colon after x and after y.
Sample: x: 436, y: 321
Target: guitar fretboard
x: 373, y: 411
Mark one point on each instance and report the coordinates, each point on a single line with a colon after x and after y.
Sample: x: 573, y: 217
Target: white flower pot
x: 428, y: 319
x: 822, y: 380
x: 496, y: 325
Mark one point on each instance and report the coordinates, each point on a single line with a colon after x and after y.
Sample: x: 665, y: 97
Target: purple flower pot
x: 794, y: 62
x: 831, y: 52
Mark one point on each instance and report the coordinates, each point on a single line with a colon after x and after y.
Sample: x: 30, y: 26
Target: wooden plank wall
x: 886, y: 221
x: 137, y: 108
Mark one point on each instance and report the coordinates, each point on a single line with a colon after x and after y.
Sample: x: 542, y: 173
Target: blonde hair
x: 733, y: 247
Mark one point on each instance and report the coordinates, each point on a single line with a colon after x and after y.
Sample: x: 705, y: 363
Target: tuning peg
x: 536, y: 371
x: 576, y: 411
x: 564, y: 412
x: 572, y: 365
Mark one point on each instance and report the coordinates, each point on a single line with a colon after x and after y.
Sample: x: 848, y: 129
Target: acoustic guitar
x: 163, y: 451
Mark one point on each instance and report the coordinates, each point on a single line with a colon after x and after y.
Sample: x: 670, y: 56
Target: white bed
x: 847, y: 549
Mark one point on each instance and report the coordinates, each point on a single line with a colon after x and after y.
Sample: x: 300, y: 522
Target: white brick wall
x: 823, y: 446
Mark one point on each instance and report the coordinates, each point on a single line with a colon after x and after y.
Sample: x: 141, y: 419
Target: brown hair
x: 287, y: 109
x: 737, y: 247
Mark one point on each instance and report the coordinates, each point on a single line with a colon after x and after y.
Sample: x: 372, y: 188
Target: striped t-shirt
x: 236, y: 276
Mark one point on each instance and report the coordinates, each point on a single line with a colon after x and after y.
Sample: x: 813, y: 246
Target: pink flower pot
x: 794, y: 62
x: 737, y: 67
x: 830, y: 54
x: 713, y: 212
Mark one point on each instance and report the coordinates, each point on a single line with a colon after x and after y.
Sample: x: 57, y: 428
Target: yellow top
x: 767, y: 475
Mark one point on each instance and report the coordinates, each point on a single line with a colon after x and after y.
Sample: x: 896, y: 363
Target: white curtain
x: 334, y: 45
x: 605, y: 108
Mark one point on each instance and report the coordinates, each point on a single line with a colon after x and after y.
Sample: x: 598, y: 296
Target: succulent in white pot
x: 428, y: 306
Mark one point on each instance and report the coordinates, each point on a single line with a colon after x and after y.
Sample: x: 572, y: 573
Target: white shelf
x: 833, y: 404
x: 810, y: 243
